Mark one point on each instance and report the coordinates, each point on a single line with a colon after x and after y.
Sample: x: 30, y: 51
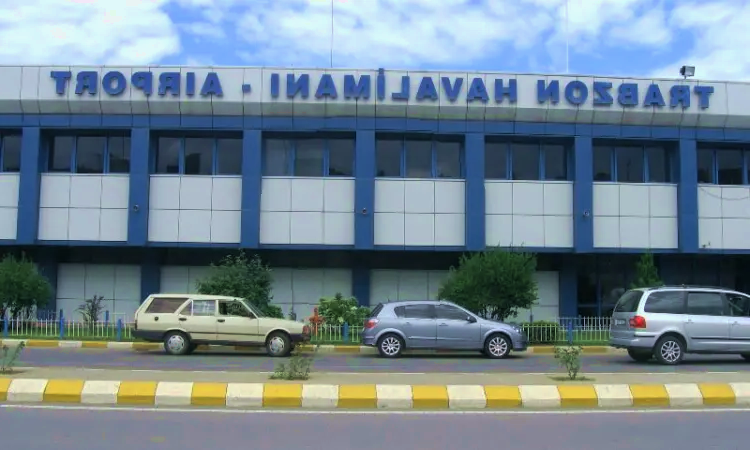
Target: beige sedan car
x: 184, y: 321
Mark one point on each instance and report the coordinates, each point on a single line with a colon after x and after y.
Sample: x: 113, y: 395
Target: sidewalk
x: 373, y: 391
x: 148, y: 346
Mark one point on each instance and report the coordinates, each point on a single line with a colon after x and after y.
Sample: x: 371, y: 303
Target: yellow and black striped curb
x: 372, y: 396
x: 148, y: 346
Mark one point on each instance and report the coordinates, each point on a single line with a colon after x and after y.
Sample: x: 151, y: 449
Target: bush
x: 22, y: 287
x: 91, y: 309
x: 570, y: 359
x: 10, y: 357
x: 298, y: 368
x: 542, y: 331
x: 338, y: 310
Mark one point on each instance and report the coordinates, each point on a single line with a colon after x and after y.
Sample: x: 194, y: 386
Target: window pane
x: 448, y: 155
x: 204, y: 308
x: 670, y: 302
x: 277, y: 156
x: 419, y: 312
x: 60, y: 153
x: 729, y: 165
x: 629, y: 302
x: 705, y: 304
x: 308, y: 159
x: 659, y: 165
x: 629, y: 164
x: 555, y: 163
x: 168, y: 155
x: 164, y: 305
x: 90, y: 154
x: 603, y: 164
x: 388, y: 157
x: 199, y: 155
x: 119, y: 154
x: 451, y: 313
x: 525, y: 161
x: 11, y: 147
x: 705, y: 165
x: 229, y: 156
x: 418, y: 159
x: 496, y: 161
x: 341, y: 157
x: 739, y: 305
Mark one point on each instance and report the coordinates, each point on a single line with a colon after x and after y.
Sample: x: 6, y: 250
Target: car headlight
x: 518, y: 330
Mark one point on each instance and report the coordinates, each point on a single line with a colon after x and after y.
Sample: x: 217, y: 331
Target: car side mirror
x: 471, y: 319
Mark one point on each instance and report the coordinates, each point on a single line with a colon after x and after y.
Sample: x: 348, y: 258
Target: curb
x: 371, y: 396
x: 353, y: 349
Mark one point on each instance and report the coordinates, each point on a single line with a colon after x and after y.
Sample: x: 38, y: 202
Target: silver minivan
x: 668, y: 322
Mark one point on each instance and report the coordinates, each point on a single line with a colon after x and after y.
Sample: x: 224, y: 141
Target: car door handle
x: 220, y: 320
x: 182, y: 319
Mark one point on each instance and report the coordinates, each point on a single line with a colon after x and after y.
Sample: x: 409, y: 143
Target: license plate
x: 620, y: 322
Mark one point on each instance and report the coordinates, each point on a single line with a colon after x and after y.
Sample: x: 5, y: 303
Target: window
x: 419, y: 311
x: 628, y: 303
x: 739, y: 305
x: 308, y: 157
x: 10, y: 152
x: 729, y: 166
x: 418, y: 158
x: 197, y: 155
x: 705, y: 166
x: 633, y: 163
x: 495, y: 161
x: 705, y: 304
x: 88, y: 153
x: 234, y: 308
x: 118, y: 148
x: 451, y: 313
x: 160, y: 305
x: 61, y: 154
x: 724, y: 165
x: 525, y: 161
x: 203, y: 308
x: 665, y: 302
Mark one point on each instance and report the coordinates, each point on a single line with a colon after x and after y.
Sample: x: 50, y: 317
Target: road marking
x: 374, y: 412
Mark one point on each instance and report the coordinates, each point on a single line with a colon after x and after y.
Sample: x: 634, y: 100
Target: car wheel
x: 669, y: 350
x: 746, y: 356
x: 640, y: 355
x: 390, y: 346
x: 278, y: 344
x: 177, y: 343
x: 497, y: 346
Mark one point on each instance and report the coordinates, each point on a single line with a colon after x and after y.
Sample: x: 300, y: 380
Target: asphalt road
x: 467, y: 363
x: 42, y: 429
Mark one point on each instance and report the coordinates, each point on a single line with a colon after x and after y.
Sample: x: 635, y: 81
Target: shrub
x: 570, y: 359
x: 10, y: 357
x: 542, y: 332
x: 298, y: 367
x: 338, y: 310
x: 22, y: 287
x: 91, y: 309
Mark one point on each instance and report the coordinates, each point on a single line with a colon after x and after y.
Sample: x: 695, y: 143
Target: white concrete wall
x: 419, y: 212
x: 724, y: 217
x: 194, y: 208
x: 529, y: 213
x: 313, y: 211
x: 635, y: 215
x: 120, y: 285
x: 83, y: 207
x: 9, y: 205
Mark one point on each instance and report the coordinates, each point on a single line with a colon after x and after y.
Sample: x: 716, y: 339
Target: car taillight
x: 638, y: 322
x: 370, y: 323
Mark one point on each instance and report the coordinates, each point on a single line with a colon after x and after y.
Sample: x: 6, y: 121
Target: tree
x: 646, y: 274
x: 494, y: 284
x: 22, y: 287
x: 338, y: 310
x: 238, y: 276
x: 91, y: 309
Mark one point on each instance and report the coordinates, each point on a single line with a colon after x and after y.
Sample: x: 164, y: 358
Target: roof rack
x: 691, y: 286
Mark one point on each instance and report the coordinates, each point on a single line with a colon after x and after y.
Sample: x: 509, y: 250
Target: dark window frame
x: 542, y: 169
x: 434, y: 140
x: 4, y: 135
x: 106, y: 157
x: 215, y: 169
x: 612, y: 147
x: 326, y: 163
x: 714, y: 172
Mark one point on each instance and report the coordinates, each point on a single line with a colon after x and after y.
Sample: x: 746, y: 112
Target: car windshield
x: 253, y: 308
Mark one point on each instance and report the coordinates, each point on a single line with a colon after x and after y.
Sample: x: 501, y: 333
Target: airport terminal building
x: 124, y: 181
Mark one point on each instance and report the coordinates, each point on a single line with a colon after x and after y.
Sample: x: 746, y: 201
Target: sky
x: 642, y: 38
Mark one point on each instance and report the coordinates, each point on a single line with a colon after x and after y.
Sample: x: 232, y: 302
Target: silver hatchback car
x: 393, y: 327
x: 667, y: 322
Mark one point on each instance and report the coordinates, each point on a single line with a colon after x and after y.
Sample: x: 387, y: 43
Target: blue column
x: 140, y: 177
x: 47, y: 264
x: 364, y: 191
x: 474, y: 206
x: 583, y: 195
x: 29, y: 186
x: 150, y: 274
x: 687, y: 197
x: 361, y: 284
x: 568, y: 287
x: 252, y: 144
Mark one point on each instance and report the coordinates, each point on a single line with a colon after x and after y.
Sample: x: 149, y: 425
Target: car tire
x: 390, y: 346
x: 640, y: 355
x: 497, y: 346
x: 192, y: 348
x: 746, y: 356
x: 177, y: 343
x: 278, y: 345
x: 669, y: 350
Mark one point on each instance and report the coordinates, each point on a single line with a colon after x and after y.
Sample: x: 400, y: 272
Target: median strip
x: 375, y: 396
